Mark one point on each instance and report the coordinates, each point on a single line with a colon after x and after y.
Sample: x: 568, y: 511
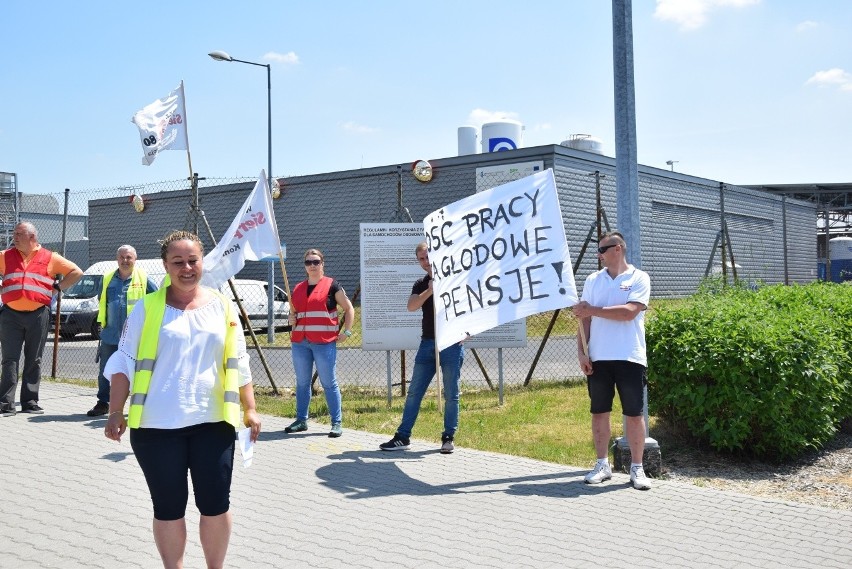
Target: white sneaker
x: 638, y: 478
x: 601, y: 473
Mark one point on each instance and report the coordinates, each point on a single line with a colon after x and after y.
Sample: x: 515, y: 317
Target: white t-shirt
x: 614, y: 339
x: 185, y: 386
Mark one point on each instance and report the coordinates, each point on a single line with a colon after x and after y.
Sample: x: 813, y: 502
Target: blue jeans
x: 104, y: 353
x: 305, y: 354
x: 452, y: 359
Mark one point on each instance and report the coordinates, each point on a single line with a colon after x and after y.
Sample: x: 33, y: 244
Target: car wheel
x: 96, y: 330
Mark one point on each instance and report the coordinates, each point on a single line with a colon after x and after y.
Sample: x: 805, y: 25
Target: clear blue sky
x: 741, y: 91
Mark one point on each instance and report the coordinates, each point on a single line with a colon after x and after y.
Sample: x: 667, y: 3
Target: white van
x: 254, y: 297
x: 80, y: 303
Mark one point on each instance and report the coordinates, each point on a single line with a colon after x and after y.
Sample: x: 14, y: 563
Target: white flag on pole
x: 252, y: 236
x: 497, y: 256
x: 162, y: 125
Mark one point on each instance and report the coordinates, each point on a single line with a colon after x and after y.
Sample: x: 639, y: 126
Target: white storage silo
x: 467, y: 140
x: 585, y: 142
x: 840, y: 253
x: 501, y: 135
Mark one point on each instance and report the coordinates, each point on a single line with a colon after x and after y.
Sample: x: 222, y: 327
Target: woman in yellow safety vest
x: 182, y: 361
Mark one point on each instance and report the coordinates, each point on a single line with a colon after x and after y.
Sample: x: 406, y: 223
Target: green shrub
x: 766, y: 372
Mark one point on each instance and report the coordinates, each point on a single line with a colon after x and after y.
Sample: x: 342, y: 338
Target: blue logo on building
x: 500, y: 144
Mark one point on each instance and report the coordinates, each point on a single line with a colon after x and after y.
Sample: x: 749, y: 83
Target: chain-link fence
x: 687, y: 226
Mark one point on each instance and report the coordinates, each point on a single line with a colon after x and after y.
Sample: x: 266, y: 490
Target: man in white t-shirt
x: 612, y: 314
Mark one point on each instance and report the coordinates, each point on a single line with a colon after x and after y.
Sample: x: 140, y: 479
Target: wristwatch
x: 347, y: 333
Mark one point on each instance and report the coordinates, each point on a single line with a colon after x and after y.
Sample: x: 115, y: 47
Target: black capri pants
x: 629, y: 377
x: 165, y: 456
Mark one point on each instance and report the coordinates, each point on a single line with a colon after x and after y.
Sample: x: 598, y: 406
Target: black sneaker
x: 99, y: 409
x: 7, y: 412
x: 396, y: 443
x: 32, y: 408
x: 447, y: 446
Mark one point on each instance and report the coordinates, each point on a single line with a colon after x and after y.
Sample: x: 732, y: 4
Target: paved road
x: 73, y: 499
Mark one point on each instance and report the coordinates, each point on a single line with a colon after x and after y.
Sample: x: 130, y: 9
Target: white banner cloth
x: 252, y: 235
x: 497, y: 256
x: 162, y: 125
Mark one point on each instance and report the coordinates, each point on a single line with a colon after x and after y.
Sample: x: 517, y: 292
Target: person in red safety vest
x: 30, y: 278
x: 314, y: 336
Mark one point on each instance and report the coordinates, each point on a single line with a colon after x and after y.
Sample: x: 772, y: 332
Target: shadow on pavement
x: 572, y: 489
x: 93, y: 422
x: 373, y: 474
x: 280, y: 435
x: 116, y: 456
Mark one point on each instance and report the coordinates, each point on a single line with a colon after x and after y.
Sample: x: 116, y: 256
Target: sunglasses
x: 314, y: 262
x: 606, y: 248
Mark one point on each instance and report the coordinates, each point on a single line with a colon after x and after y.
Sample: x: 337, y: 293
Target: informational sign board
x: 489, y: 177
x: 389, y: 269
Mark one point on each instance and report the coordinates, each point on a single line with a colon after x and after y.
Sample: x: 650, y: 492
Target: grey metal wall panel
x: 679, y: 214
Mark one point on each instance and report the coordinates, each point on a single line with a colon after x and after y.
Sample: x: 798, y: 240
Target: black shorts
x: 165, y: 456
x: 630, y: 378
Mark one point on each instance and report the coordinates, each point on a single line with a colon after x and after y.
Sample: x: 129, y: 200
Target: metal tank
x: 840, y: 253
x: 585, y: 142
x: 505, y: 134
x: 467, y: 140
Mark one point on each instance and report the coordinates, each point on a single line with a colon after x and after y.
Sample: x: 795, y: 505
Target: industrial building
x: 767, y: 238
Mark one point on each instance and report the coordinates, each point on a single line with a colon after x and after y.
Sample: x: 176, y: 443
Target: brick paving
x: 72, y: 498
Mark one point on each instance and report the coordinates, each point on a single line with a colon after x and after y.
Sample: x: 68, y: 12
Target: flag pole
x: 280, y: 252
x: 438, y: 375
x: 193, y: 180
x: 186, y: 133
x: 284, y: 272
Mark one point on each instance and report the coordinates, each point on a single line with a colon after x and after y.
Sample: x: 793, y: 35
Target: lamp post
x: 224, y: 56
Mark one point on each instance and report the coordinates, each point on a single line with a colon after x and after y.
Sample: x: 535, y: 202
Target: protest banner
x: 498, y: 256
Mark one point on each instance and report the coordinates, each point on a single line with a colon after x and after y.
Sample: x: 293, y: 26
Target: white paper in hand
x: 246, y: 446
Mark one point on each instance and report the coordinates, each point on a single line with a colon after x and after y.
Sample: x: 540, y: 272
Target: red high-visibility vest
x: 32, y: 282
x: 314, y: 321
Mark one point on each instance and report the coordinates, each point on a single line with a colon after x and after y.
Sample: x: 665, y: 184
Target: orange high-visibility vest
x: 32, y: 282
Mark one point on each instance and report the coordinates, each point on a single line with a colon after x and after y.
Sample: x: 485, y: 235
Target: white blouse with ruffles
x: 185, y: 386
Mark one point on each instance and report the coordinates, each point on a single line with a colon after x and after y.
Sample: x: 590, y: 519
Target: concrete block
x: 651, y: 458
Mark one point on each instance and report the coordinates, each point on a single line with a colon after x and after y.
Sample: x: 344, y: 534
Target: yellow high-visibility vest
x: 146, y: 357
x: 137, y: 289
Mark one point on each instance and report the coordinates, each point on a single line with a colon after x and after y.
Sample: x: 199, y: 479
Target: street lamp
x: 223, y: 56
x: 672, y: 163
